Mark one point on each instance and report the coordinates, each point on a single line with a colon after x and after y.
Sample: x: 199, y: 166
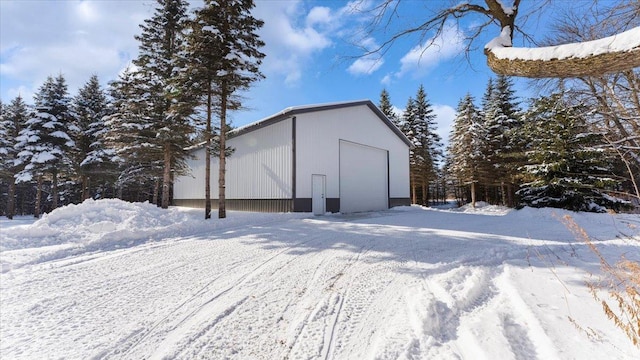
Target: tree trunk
x: 156, y: 190
x: 11, y: 201
x: 510, y: 197
x: 86, y: 187
x: 425, y: 193
x: 414, y: 196
x: 36, y: 210
x: 207, y: 159
x: 54, y: 189
x: 473, y: 194
x: 166, y: 176
x: 222, y: 210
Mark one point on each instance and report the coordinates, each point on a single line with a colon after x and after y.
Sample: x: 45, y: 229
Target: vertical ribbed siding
x: 261, y: 165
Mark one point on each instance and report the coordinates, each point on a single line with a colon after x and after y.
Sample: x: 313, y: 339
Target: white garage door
x: 363, y: 178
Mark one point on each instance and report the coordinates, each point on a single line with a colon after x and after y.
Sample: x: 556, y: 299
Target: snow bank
x: 484, y: 208
x: 96, y: 223
x: 107, y: 224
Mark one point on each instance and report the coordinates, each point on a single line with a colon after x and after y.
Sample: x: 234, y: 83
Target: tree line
x: 129, y: 140
x: 568, y: 149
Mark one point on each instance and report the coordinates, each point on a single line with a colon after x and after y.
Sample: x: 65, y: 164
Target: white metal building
x: 340, y: 157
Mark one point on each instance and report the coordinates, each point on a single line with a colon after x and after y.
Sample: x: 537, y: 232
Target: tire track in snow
x: 320, y: 325
x: 190, y: 320
x: 443, y: 299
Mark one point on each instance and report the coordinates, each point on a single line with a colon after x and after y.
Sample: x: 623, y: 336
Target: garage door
x: 363, y: 178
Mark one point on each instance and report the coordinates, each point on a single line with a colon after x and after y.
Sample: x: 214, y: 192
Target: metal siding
x: 317, y: 147
x: 259, y: 168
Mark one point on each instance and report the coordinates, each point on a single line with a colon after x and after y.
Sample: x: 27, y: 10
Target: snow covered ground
x: 108, y: 279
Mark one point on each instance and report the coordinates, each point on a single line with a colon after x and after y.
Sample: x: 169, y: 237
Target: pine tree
x: 14, y: 119
x: 567, y: 165
x: 387, y: 109
x: 91, y: 157
x: 465, y: 145
x: 45, y: 141
x: 160, y: 63
x: 224, y: 50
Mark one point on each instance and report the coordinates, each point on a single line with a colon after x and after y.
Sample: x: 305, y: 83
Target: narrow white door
x: 318, y: 203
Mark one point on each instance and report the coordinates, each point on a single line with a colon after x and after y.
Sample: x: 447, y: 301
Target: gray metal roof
x: 296, y: 110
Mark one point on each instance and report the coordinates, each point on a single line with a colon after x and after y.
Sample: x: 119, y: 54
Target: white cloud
x: 369, y: 63
x: 386, y: 80
x: 87, y: 11
x: 319, y: 15
x: 424, y: 57
x: 445, y: 115
x: 365, y: 66
x: 294, y: 36
x: 76, y: 39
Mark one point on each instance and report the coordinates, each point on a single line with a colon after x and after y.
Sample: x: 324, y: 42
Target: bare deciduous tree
x: 504, y: 59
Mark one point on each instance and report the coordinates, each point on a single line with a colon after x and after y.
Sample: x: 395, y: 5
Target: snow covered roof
x: 296, y: 110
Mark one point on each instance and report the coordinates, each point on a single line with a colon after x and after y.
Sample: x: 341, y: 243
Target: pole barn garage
x: 339, y: 157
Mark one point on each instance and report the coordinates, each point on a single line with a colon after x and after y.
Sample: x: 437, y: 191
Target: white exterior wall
x: 259, y: 168
x: 318, y: 135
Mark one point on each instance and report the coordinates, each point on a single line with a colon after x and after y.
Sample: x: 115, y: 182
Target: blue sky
x: 309, y: 47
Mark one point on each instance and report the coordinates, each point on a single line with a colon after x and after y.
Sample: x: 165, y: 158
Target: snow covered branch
x: 611, y: 54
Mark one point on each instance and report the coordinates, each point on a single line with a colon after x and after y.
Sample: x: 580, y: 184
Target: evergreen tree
x: 411, y: 129
x: 14, y: 119
x: 90, y: 157
x: 429, y: 151
x: 130, y: 135
x: 501, y: 121
x: 45, y: 142
x: 387, y: 109
x: 160, y: 63
x: 465, y: 145
x: 224, y: 53
x: 567, y: 167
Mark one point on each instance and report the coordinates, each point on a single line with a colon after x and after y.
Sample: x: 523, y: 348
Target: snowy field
x: 108, y: 279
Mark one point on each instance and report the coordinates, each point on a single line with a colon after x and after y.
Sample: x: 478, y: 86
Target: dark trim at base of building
x: 305, y: 205
x: 276, y: 205
x: 399, y: 202
x: 257, y: 205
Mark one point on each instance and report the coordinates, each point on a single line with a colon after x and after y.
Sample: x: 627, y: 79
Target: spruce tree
x: 429, y: 150
x: 501, y: 121
x: 90, y: 157
x: 567, y: 165
x: 387, y: 109
x: 224, y: 53
x: 160, y: 64
x: 130, y: 134
x: 14, y: 119
x: 411, y: 129
x: 45, y: 141
x: 465, y: 145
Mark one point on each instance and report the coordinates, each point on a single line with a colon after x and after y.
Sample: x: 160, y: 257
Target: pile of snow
x: 101, y: 225
x: 484, y: 208
x: 107, y: 223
